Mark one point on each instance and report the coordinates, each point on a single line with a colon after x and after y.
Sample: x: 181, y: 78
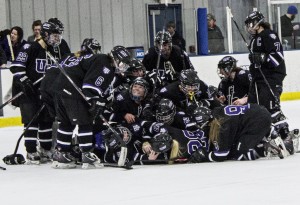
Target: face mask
x: 293, y: 17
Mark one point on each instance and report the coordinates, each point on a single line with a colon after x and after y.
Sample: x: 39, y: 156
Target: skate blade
x: 92, y: 166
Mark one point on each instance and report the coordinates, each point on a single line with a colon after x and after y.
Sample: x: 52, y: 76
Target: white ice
x: 264, y: 181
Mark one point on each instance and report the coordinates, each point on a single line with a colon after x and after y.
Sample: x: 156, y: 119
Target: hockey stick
x: 20, y: 159
x: 117, y: 166
x: 175, y: 159
x: 160, y: 49
x: 256, y: 66
x: 10, y: 48
x: 123, y: 153
x: 18, y: 95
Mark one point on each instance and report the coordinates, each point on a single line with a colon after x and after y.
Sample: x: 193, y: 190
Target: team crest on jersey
x: 136, y: 127
x: 40, y: 65
x: 106, y: 70
x: 99, y: 81
x: 120, y: 97
x: 26, y: 46
x: 272, y: 35
x: 163, y: 90
x: 22, y: 57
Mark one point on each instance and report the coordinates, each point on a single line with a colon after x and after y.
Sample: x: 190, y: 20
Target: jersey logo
x: 40, y: 65
x: 106, y: 70
x: 232, y: 110
x: 272, y: 35
x: 99, y: 81
x: 22, y: 57
x: 120, y: 97
x: 26, y: 46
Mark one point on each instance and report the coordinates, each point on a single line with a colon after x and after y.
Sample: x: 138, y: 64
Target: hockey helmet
x: 227, y: 64
x: 165, y: 111
x: 202, y: 115
x: 136, y: 69
x: 161, y: 142
x: 90, y: 46
x: 121, y: 58
x: 189, y: 82
x: 163, y: 41
x: 112, y: 140
x: 57, y: 22
x: 253, y: 20
x: 136, y: 95
x: 51, y: 34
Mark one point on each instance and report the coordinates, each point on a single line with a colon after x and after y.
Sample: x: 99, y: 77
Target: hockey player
x: 172, y: 61
x: 235, y: 132
x: 93, y: 74
x: 187, y: 91
x: 268, y: 71
x: 234, y: 86
x: 129, y: 105
x: 29, y: 67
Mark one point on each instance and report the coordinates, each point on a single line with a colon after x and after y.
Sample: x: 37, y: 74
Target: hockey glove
x: 256, y: 58
x: 96, y: 108
x: 26, y: 85
x: 200, y: 155
x: 14, y: 159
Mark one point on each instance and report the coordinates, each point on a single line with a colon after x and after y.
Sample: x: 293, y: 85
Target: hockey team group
x: 114, y: 109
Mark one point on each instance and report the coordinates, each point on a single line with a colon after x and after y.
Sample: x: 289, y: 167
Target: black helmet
x: 113, y: 141
x: 202, y: 115
x: 90, y: 45
x: 189, y: 78
x: 253, y: 20
x: 161, y: 142
x: 47, y: 30
x: 227, y: 64
x: 165, y: 111
x: 164, y: 37
x: 121, y: 58
x: 135, y: 65
x: 58, y: 23
x: 142, y: 82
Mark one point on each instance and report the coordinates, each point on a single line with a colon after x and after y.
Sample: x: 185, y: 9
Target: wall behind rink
x: 206, y: 67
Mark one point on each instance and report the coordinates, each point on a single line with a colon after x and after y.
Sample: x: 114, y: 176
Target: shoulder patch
x: 26, y: 46
x: 106, y: 70
x: 272, y: 35
x: 120, y: 97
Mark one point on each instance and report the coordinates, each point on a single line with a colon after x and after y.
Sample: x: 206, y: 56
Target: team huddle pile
x: 159, y: 111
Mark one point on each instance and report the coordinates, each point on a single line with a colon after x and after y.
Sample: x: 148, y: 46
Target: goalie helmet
x: 136, y: 95
x: 90, y: 46
x: 121, y: 58
x: 51, y: 34
x: 253, y: 20
x: 202, y: 115
x: 226, y: 64
x: 165, y: 111
x: 112, y: 140
x: 165, y: 39
x: 58, y: 23
x: 161, y: 142
x: 189, y: 82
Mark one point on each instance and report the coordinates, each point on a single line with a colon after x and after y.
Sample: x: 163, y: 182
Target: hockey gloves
x: 26, y: 85
x: 96, y: 108
x: 200, y: 155
x: 257, y: 58
x: 14, y: 159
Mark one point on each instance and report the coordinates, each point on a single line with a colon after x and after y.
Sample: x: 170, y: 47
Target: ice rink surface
x: 264, y: 181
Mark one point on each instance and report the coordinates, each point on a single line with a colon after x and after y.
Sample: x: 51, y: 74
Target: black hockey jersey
x: 273, y: 67
x: 236, y: 88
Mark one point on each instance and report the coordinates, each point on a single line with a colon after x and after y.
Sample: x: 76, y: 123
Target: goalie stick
x: 123, y: 153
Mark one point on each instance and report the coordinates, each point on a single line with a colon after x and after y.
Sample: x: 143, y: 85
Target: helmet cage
x: 121, y: 58
x: 161, y: 142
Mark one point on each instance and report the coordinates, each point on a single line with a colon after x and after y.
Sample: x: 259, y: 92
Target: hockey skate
x: 275, y: 148
x: 33, y: 158
x: 90, y: 160
x: 46, y: 155
x: 63, y: 160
